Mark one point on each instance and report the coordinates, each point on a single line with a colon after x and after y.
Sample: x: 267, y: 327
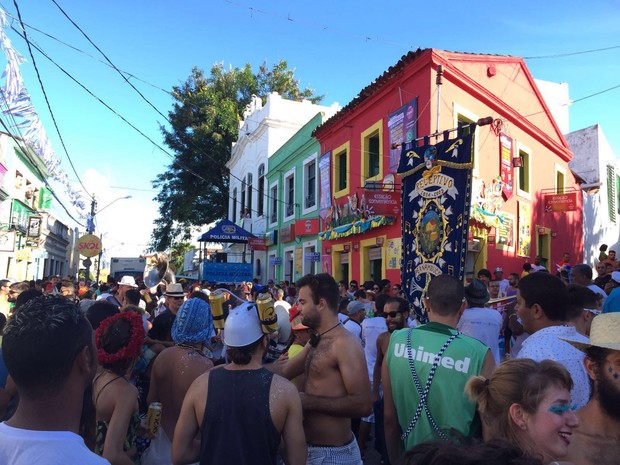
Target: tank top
x: 237, y: 426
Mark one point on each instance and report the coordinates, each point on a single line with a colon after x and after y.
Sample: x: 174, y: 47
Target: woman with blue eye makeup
x: 527, y: 403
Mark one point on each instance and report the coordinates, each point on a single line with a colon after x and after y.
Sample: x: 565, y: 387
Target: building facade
x: 264, y: 129
x: 511, y: 221
x: 293, y: 220
x: 597, y: 165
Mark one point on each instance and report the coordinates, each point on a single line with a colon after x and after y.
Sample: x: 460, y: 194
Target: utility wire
x: 568, y: 54
x: 49, y: 107
x: 133, y: 76
x: 106, y: 57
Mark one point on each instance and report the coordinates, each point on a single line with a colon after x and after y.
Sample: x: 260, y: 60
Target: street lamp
x: 90, y: 228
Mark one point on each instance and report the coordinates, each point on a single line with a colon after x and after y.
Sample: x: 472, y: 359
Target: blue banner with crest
x: 436, y: 195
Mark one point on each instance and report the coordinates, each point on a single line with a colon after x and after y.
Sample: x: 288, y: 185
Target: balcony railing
x: 310, y: 201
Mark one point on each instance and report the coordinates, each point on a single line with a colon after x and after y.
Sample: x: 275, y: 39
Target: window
x: 611, y: 193
x: 310, y: 185
x: 463, y: 116
x: 261, y: 190
x: 524, y: 173
x: 289, y: 185
x: 341, y: 171
x: 249, y: 193
x: 273, y: 195
x: 372, y: 154
x: 559, y: 180
x: 234, y: 205
x: 242, y: 196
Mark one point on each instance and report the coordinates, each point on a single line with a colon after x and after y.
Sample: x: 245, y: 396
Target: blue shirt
x: 612, y: 303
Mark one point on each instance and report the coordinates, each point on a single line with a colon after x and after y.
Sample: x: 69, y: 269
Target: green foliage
x: 204, y: 123
x: 177, y: 256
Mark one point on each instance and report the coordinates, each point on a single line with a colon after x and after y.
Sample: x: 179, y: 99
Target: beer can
x: 216, y: 299
x: 153, y: 419
x: 266, y: 313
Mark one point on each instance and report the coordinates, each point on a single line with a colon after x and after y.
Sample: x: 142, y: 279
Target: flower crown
x: 133, y: 347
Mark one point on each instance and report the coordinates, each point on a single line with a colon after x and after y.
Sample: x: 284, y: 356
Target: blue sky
x: 336, y: 47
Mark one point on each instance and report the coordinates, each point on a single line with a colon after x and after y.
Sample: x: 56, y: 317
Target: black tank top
x: 237, y: 427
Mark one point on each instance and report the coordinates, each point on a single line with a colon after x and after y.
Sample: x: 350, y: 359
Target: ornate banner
x: 402, y: 128
x: 436, y: 195
x: 505, y: 168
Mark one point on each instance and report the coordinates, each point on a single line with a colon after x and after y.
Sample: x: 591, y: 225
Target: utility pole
x: 90, y: 228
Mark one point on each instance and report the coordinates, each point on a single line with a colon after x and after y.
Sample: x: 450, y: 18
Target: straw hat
x: 604, y: 332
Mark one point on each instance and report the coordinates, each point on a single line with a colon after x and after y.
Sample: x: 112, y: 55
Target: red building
x: 524, y: 201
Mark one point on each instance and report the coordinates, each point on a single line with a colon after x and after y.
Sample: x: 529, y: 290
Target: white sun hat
x: 604, y: 332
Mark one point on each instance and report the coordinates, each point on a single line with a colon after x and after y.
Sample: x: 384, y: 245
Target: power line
x: 568, y: 54
x: 106, y: 57
x: 49, y: 107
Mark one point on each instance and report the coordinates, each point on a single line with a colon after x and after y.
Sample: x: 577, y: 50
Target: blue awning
x: 226, y: 231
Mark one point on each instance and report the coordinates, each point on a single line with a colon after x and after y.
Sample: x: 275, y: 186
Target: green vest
x: 447, y: 402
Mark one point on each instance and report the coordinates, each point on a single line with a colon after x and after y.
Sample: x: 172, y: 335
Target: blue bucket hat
x: 194, y: 323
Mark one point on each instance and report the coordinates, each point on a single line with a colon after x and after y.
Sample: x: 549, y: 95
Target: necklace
x: 192, y: 350
x: 315, y: 338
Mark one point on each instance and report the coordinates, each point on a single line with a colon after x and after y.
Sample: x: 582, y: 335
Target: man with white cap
x: 597, y: 440
x: 241, y: 410
x: 126, y: 282
x: 503, y: 283
x: 175, y: 369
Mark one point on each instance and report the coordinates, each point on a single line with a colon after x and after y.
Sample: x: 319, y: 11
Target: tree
x: 204, y: 121
x: 177, y: 256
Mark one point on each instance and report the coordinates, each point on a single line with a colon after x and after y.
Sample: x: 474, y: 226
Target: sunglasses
x: 392, y: 314
x: 177, y: 298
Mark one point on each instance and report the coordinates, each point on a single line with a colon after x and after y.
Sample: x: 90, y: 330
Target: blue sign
x: 215, y: 272
x: 313, y: 256
x: 275, y: 261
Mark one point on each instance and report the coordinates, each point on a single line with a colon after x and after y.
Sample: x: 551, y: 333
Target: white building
x: 264, y: 130
x: 595, y: 162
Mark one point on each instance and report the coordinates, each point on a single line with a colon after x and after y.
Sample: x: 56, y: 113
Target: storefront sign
x: 344, y: 258
x: 374, y: 253
x: 257, y: 243
x: 382, y: 203
x: 506, y: 169
x: 561, y: 202
x: 313, y: 257
x: 19, y: 215
x: 23, y: 254
x: 34, y: 226
x: 287, y: 233
x: 271, y: 238
x: 226, y: 272
x: 506, y: 232
x: 275, y: 261
x: 307, y: 227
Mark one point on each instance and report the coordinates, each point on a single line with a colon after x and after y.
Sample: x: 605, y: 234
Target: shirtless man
x: 337, y: 386
x: 597, y: 440
x: 175, y: 369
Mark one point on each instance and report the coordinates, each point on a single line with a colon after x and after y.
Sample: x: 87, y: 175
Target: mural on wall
x: 436, y: 196
x: 394, y: 253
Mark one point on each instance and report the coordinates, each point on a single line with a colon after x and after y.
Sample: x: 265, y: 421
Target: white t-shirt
x: 483, y: 324
x: 354, y: 328
x: 26, y: 447
x: 371, y: 328
x: 503, y: 285
x: 546, y: 344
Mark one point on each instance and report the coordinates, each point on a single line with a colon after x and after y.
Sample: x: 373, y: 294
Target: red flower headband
x: 133, y: 347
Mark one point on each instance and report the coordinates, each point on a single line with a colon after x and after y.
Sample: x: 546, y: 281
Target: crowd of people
x: 523, y: 370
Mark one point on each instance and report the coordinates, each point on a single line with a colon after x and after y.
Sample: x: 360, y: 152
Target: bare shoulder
x: 347, y: 341
x: 282, y: 385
